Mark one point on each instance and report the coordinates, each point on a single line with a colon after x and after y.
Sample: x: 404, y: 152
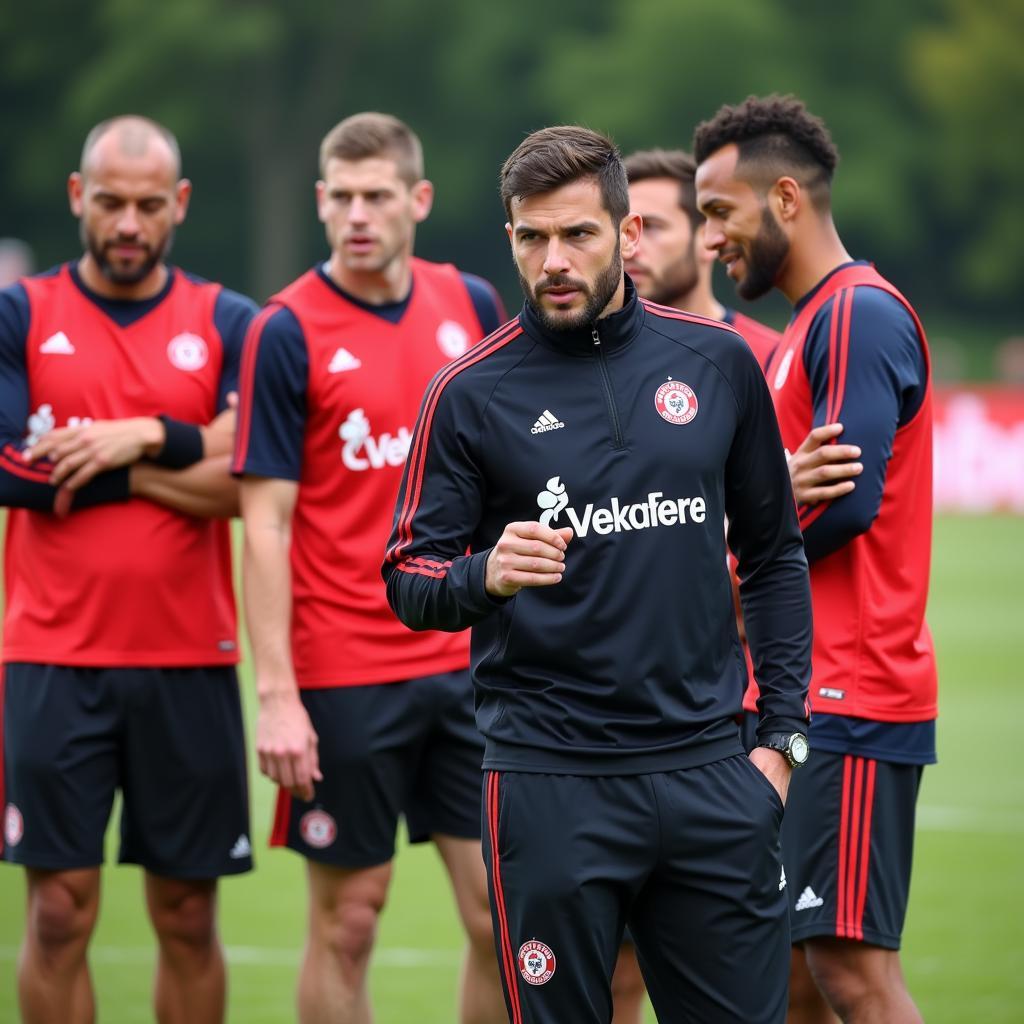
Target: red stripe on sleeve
x: 844, y: 817
x: 508, y: 960
x: 417, y: 457
x: 247, y: 385
x: 865, y: 851
x: 843, y: 352
x: 37, y: 472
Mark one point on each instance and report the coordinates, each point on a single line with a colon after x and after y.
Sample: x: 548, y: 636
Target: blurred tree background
x: 923, y: 97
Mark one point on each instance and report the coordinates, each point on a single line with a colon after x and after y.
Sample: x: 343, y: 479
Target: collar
x: 615, y: 331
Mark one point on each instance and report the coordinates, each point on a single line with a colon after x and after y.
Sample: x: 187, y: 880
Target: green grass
x: 963, y: 948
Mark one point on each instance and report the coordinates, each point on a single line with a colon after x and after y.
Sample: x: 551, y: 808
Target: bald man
x: 117, y: 373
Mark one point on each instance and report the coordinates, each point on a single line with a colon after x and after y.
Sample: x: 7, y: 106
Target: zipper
x: 606, y: 386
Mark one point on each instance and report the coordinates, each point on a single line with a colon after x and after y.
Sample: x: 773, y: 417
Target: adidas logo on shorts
x: 808, y: 900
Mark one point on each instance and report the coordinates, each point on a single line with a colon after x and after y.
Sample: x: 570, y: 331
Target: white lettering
x: 619, y: 515
x: 640, y: 511
x: 668, y: 514
x: 581, y: 527
x: 698, y: 513
x: 604, y: 520
x: 383, y: 451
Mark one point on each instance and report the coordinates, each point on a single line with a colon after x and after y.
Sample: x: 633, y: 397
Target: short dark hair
x: 370, y: 134
x: 675, y: 164
x: 560, y: 155
x: 136, y: 131
x: 776, y: 135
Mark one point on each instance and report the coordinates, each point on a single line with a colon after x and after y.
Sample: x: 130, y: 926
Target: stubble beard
x: 154, y: 256
x: 768, y: 252
x: 598, y: 295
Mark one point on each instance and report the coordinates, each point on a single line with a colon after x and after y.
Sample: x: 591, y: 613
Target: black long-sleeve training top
x: 643, y: 432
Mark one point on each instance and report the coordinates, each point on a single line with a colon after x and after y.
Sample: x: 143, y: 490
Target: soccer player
x: 587, y: 553
x: 119, y: 642
x: 360, y: 720
x: 672, y: 266
x: 854, y: 353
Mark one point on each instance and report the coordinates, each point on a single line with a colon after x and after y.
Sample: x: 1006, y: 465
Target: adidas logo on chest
x: 546, y: 421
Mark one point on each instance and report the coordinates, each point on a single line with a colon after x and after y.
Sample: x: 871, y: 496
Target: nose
x: 714, y: 236
x: 357, y: 210
x: 128, y: 221
x: 556, y: 260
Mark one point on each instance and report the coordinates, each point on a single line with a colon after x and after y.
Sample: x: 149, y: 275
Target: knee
x: 60, y: 915
x: 348, y: 929
x: 186, y: 917
x: 842, y: 980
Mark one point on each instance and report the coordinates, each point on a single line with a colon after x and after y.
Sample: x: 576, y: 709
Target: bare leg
x: 481, y: 999
x: 807, y: 1004
x: 863, y: 983
x: 53, y: 973
x: 628, y: 989
x: 190, y: 976
x: 344, y: 907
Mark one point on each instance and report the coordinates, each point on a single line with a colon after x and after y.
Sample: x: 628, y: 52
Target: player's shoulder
x: 879, y: 304
x: 717, y: 341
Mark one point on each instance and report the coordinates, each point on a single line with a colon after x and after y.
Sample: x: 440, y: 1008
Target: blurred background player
x: 361, y: 720
x: 16, y: 260
x: 672, y: 266
x: 852, y: 361
x: 119, y: 629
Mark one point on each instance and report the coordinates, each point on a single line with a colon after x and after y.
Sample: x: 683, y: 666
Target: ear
x: 787, y: 199
x: 629, y: 234
x: 182, y: 194
x: 76, y: 191
x: 321, y: 199
x: 422, y: 200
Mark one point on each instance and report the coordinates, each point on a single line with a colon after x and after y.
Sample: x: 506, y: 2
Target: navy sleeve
x: 24, y: 485
x: 431, y: 582
x: 869, y: 374
x: 765, y: 537
x: 489, y: 309
x: 231, y: 316
x: 272, y: 402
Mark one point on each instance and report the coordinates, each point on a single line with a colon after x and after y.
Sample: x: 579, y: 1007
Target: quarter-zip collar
x: 615, y: 331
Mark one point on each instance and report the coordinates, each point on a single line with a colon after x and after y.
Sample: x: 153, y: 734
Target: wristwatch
x: 793, y: 746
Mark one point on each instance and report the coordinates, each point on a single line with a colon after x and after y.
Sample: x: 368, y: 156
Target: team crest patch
x: 14, y: 825
x: 452, y: 339
x: 318, y: 829
x: 536, y: 962
x: 676, y: 402
x: 188, y: 352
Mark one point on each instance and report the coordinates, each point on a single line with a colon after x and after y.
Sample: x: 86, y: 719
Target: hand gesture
x: 821, y: 471
x: 526, y: 555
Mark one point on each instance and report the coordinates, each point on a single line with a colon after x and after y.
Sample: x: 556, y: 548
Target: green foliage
x: 922, y: 98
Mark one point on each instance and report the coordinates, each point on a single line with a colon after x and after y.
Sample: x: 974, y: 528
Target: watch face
x: 798, y: 748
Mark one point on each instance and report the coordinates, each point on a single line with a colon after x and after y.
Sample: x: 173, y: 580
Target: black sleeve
x: 432, y: 583
x: 489, y: 309
x: 765, y: 537
x: 272, y: 402
x: 232, y: 316
x: 25, y: 485
x: 872, y: 379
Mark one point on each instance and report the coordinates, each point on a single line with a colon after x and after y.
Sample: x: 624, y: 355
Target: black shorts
x: 409, y: 748
x: 171, y: 739
x: 848, y: 844
x: 688, y: 859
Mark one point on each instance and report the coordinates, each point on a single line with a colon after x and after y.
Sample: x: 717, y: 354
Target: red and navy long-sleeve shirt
x: 642, y: 432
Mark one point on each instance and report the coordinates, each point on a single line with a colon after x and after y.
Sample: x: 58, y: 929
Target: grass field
x: 964, y: 942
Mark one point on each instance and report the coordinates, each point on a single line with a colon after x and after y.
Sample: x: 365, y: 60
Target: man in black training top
x: 586, y: 456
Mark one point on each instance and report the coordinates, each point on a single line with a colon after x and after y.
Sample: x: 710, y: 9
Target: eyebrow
x: 585, y: 225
